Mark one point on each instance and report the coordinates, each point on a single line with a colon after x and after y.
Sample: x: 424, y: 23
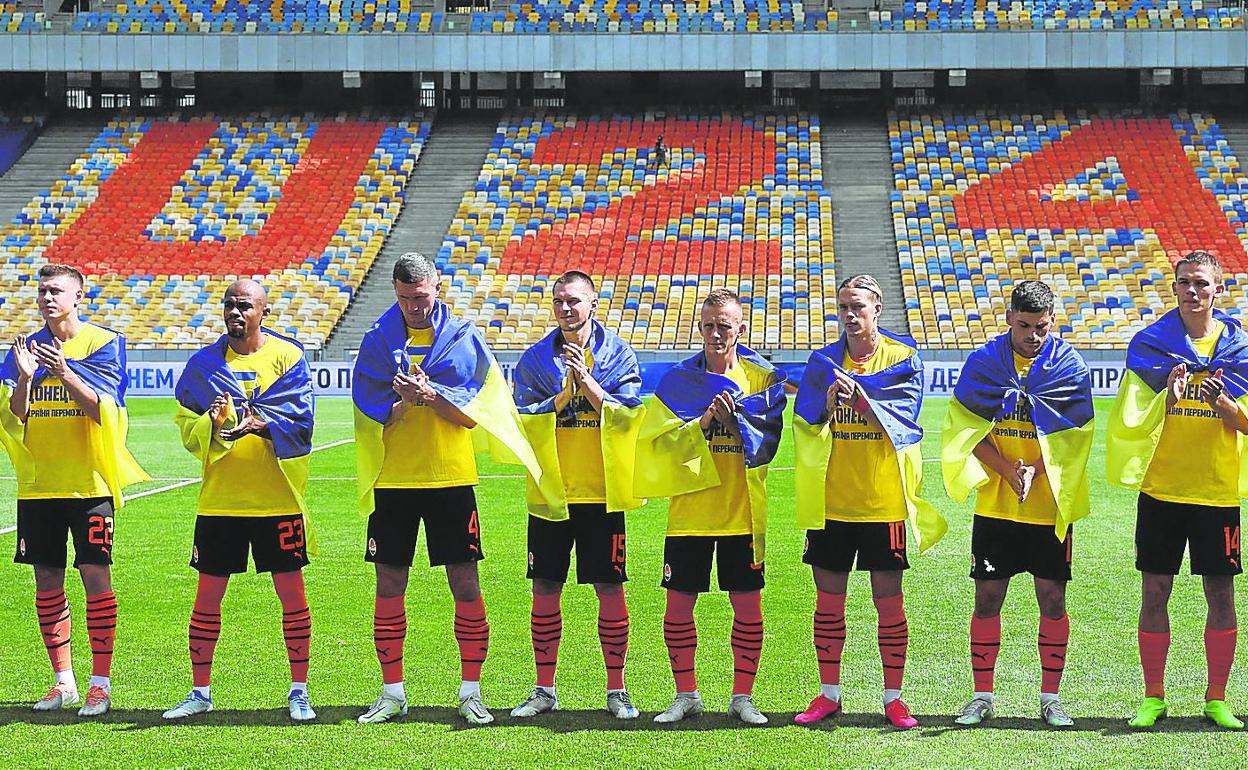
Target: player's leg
x: 743, y: 579
x: 219, y: 549
x: 882, y: 551
x: 1160, y: 540
x: 392, y: 531
x: 830, y: 552
x: 279, y: 547
x: 1216, y: 557
x: 91, y: 527
x: 985, y: 645
x: 42, y: 536
x: 453, y: 534
x: 996, y: 556
x: 602, y: 561
x: 686, y: 573
x: 550, y: 555
x: 1049, y: 562
x: 1053, y: 640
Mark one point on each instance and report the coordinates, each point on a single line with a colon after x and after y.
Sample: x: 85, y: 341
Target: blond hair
x: 866, y: 283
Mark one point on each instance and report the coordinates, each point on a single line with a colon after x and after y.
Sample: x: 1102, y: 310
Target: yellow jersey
x: 725, y: 509
x: 578, y: 441
x: 422, y: 450
x: 63, y: 441
x: 247, y: 481
x: 1014, y: 436
x: 864, y: 478
x: 1197, y: 458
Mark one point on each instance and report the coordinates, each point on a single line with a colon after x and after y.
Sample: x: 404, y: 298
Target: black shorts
x: 44, y: 527
x: 599, y: 540
x: 221, y: 544
x: 452, y: 529
x: 1001, y: 549
x: 1162, y: 529
x: 687, y: 563
x: 865, y: 545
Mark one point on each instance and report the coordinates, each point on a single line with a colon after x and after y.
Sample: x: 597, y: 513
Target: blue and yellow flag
x: 673, y: 456
x: 1139, y: 412
x: 460, y: 368
x: 895, y: 395
x: 1058, y: 388
x: 104, y: 371
x: 537, y: 380
x: 287, y: 408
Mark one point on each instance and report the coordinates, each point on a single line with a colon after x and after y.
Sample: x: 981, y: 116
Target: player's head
x: 416, y: 287
x: 1197, y: 282
x: 574, y: 299
x: 1030, y: 317
x: 860, y: 300
x: 722, y: 322
x: 60, y: 291
x: 245, y: 307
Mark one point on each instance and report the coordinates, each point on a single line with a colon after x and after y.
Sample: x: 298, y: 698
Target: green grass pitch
x: 251, y: 729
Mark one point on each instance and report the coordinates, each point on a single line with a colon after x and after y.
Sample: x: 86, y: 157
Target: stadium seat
x: 1112, y: 278
x: 302, y: 205
x: 739, y: 203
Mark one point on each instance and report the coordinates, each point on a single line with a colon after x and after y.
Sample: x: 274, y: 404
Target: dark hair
x: 721, y: 297
x: 1032, y: 297
x: 572, y: 276
x: 1200, y: 258
x: 52, y: 270
x: 414, y: 267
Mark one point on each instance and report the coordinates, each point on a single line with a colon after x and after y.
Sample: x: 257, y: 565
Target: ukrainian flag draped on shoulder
x: 1139, y: 412
x: 895, y: 395
x: 104, y: 371
x: 287, y: 407
x: 673, y: 456
x: 1058, y: 387
x: 460, y: 368
x: 538, y: 379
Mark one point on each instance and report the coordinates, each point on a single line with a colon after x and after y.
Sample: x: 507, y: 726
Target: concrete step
x: 857, y: 170
x: 448, y: 166
x: 49, y: 158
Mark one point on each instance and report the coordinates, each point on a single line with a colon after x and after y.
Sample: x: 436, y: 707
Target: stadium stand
x: 1098, y: 205
x: 918, y: 15
x: 16, y: 134
x: 269, y: 16
x: 654, y: 16
x: 164, y: 214
x: 14, y: 20
x: 739, y: 203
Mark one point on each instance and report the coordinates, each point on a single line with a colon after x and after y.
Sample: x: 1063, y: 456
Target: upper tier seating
x: 267, y: 16
x: 739, y: 204
x: 1061, y: 14
x: 535, y: 16
x: 1097, y: 206
x: 13, y: 20
x: 163, y: 215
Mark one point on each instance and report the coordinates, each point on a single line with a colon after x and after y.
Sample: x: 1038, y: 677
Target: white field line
x: 185, y: 482
x: 179, y: 483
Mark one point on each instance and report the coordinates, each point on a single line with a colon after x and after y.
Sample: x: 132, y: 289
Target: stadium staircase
x: 1235, y: 128
x: 448, y: 166
x: 857, y: 171
x: 53, y: 152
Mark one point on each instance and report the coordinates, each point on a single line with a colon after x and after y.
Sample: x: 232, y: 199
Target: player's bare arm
x: 852, y: 396
x: 1213, y: 392
x: 441, y: 407
x: 1017, y: 474
x: 1176, y: 383
x: 52, y: 358
x: 19, y: 399
x: 574, y: 357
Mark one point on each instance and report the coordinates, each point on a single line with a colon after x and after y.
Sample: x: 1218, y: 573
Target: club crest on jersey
x: 667, y: 572
x: 194, y: 554
x: 372, y: 547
